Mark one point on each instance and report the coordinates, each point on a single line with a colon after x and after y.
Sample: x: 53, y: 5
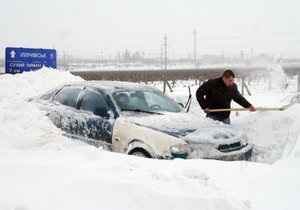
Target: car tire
x: 140, y: 153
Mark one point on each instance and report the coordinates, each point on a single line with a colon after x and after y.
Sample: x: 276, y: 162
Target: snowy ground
x: 42, y: 169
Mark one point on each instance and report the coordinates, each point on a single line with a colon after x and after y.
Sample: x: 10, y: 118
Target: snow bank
x: 41, y: 169
x: 35, y: 176
x: 278, y: 77
x: 89, y: 178
x: 23, y: 126
x: 274, y: 134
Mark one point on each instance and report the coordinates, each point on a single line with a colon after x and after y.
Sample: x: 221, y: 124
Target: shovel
x: 297, y: 100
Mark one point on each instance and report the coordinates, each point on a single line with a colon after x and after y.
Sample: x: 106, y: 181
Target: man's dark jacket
x: 218, y: 96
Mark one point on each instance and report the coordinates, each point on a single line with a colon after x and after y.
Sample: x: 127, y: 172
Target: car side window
x: 94, y: 101
x: 68, y: 96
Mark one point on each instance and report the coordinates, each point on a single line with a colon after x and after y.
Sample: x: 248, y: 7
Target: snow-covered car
x: 139, y: 120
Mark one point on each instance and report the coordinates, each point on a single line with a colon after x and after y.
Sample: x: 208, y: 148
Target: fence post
x: 243, y: 85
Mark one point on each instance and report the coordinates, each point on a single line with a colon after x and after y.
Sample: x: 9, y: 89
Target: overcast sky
x: 89, y: 27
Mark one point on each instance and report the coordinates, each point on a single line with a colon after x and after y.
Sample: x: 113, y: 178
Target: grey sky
x: 89, y: 27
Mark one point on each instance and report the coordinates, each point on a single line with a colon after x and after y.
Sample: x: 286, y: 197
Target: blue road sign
x: 18, y: 60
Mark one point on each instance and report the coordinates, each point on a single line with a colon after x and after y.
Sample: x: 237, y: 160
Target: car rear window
x: 68, y: 96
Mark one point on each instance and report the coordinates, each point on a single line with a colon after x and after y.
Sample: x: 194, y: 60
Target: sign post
x: 18, y: 60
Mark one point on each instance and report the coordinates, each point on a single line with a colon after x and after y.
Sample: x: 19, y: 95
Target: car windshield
x: 145, y: 101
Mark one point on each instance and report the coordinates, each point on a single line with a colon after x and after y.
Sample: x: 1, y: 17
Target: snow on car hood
x: 193, y: 129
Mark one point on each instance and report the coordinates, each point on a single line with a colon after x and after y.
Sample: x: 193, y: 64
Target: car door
x: 96, y: 117
x: 63, y: 113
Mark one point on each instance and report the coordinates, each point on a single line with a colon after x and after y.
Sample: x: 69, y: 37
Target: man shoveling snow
x: 217, y: 94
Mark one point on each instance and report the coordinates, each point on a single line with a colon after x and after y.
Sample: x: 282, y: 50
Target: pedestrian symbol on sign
x: 12, y: 54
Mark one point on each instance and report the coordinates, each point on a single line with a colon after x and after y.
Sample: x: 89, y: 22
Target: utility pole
x: 166, y: 64
x: 161, y: 55
x: 165, y: 40
x: 195, y: 46
x: 165, y: 52
x: 99, y: 59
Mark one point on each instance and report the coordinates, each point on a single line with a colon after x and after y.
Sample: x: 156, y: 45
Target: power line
x: 241, y: 37
x: 241, y: 45
x: 252, y: 36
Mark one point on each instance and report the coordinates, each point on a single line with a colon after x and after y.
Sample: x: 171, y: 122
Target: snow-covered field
x: 42, y: 169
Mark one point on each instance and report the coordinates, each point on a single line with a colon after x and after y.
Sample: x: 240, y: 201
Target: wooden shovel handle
x: 246, y: 109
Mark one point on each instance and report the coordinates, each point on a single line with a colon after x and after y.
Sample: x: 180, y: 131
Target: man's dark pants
x: 226, y: 120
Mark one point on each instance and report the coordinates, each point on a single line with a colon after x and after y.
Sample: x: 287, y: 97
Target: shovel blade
x: 294, y: 101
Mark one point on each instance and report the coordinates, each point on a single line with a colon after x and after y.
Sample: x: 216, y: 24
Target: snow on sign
x: 18, y: 60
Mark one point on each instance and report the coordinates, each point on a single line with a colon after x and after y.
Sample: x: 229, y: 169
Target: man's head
x: 228, y: 78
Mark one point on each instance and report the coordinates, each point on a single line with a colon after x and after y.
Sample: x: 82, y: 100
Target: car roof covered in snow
x: 113, y: 85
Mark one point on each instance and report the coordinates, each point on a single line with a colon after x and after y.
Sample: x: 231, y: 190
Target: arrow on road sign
x: 12, y: 54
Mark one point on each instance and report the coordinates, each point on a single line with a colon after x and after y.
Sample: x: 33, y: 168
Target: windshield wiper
x: 139, y: 110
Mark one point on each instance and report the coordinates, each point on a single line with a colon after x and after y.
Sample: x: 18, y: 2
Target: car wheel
x: 140, y: 153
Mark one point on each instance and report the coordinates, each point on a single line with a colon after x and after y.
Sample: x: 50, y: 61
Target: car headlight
x: 180, y: 151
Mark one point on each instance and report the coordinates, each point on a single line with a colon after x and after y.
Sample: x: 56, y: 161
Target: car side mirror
x: 102, y: 112
x: 181, y: 104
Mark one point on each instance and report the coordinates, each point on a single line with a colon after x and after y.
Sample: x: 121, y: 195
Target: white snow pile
x: 274, y: 134
x: 23, y: 126
x: 278, y: 76
x: 42, y: 169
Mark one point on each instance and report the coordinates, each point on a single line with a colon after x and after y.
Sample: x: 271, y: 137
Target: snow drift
x: 42, y: 169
